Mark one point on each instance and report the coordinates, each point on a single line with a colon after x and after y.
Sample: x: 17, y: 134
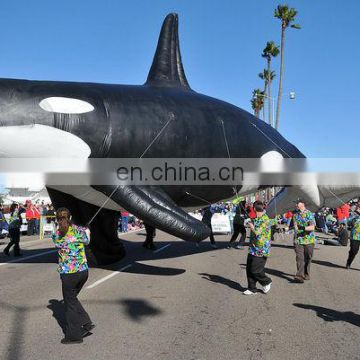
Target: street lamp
x: 292, y: 96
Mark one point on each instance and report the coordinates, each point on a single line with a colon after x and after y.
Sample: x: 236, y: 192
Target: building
x: 20, y: 195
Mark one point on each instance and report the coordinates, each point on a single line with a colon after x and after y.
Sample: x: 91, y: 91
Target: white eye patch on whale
x: 67, y: 111
x: 271, y: 161
x: 65, y: 105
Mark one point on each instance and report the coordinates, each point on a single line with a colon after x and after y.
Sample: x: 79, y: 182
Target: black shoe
x: 67, y: 341
x: 6, y: 252
x: 86, y: 333
x: 89, y: 326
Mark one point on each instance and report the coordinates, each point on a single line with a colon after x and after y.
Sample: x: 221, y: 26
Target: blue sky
x: 113, y: 41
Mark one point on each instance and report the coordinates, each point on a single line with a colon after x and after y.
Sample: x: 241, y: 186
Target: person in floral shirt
x: 304, y: 224
x: 15, y: 222
x: 73, y: 268
x: 355, y: 238
x: 259, y: 250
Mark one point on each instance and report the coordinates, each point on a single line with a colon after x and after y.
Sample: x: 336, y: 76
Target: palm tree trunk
x: 269, y: 99
x: 265, y: 89
x: 271, y: 122
x: 281, y: 77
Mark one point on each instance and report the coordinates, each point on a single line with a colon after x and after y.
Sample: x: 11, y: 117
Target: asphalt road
x: 183, y: 303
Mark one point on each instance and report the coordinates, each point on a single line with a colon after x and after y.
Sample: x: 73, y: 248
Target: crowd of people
x: 70, y: 240
x: 303, y: 224
x: 331, y: 221
x: 129, y: 222
x: 33, y: 213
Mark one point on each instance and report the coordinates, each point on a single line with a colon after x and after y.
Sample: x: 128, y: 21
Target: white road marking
x: 116, y: 272
x: 27, y: 257
x: 161, y: 249
x: 23, y: 243
x: 31, y: 242
x: 96, y: 283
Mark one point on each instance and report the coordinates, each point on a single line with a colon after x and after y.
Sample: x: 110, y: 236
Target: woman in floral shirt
x: 73, y: 268
x: 259, y: 250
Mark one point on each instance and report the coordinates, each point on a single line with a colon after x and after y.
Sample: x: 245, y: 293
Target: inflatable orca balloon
x: 120, y: 121
x: 315, y: 196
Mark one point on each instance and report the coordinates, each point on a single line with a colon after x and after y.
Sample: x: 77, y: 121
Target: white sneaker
x: 249, y: 292
x: 266, y: 288
x: 240, y: 247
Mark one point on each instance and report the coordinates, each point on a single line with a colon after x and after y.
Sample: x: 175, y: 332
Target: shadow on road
x: 16, y: 331
x: 329, y: 264
x: 280, y: 274
x: 137, y: 309
x: 144, y: 269
x: 58, y: 309
x: 332, y: 315
x: 224, y: 281
x: 135, y: 252
x: 46, y: 258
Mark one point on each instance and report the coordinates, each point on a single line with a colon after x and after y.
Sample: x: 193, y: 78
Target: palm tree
x: 257, y: 101
x: 268, y: 77
x: 271, y: 50
x: 287, y: 16
x: 263, y: 76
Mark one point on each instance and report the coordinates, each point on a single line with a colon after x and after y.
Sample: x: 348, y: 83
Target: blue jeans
x: 37, y: 226
x: 124, y: 223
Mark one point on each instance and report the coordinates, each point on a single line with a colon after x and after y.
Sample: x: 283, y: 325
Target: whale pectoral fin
x: 284, y: 200
x: 155, y: 207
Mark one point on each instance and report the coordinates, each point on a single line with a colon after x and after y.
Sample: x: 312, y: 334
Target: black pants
x: 304, y: 255
x: 354, y: 249
x: 212, y: 239
x: 31, y: 227
x: 255, y: 271
x: 150, y: 234
x: 14, y: 240
x: 75, y: 314
x: 239, y: 228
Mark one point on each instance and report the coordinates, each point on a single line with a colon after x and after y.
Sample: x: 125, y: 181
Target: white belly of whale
x: 37, y: 141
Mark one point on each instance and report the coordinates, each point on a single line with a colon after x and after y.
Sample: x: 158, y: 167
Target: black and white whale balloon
x: 120, y: 121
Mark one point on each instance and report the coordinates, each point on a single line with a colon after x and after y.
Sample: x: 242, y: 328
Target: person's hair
x: 258, y: 206
x: 13, y: 207
x: 65, y: 210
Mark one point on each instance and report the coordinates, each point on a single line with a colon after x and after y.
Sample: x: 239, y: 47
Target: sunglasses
x: 60, y: 218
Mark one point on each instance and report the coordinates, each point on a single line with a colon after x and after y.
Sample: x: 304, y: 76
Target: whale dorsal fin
x: 167, y: 69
